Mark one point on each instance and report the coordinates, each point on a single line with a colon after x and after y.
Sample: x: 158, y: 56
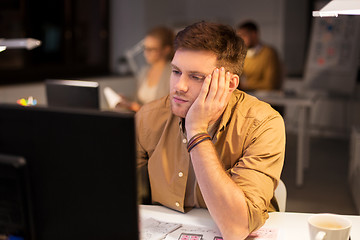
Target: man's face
x: 250, y: 37
x: 189, y: 70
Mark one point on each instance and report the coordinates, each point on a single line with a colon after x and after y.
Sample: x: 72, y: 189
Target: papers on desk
x: 152, y: 229
x: 187, y: 232
x: 264, y: 234
x: 111, y: 97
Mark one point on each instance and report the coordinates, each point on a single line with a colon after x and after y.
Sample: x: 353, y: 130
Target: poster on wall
x: 333, y: 57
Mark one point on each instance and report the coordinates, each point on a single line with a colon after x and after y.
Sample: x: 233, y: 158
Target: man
x: 208, y: 144
x: 262, y: 68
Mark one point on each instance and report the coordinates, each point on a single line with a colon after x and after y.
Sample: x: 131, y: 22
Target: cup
x: 329, y: 227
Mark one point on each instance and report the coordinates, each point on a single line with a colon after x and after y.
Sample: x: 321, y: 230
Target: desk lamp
x: 15, y: 43
x: 339, y: 7
x: 131, y: 55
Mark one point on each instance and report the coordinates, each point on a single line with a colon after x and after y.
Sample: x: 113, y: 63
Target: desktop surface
x: 289, y: 225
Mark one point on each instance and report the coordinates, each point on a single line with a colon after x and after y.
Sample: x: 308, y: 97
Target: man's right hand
x: 210, y: 104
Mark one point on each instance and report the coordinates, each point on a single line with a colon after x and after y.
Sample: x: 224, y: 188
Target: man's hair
x: 220, y: 39
x: 248, y: 25
x: 166, y: 36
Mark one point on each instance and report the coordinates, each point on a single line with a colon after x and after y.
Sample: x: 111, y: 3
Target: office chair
x: 280, y: 195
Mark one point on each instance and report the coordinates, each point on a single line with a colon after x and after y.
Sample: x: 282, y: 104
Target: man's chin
x: 178, y: 111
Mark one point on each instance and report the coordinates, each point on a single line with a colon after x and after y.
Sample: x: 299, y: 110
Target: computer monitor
x: 72, y: 93
x: 81, y: 171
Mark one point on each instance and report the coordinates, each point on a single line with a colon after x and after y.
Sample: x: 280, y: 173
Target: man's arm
x: 224, y: 199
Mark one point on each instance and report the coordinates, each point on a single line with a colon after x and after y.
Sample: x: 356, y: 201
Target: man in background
x: 262, y: 67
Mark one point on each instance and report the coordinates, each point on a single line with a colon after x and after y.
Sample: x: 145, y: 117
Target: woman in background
x: 153, y: 82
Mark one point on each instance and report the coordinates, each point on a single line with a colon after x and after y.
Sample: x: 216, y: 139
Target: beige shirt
x: 250, y: 142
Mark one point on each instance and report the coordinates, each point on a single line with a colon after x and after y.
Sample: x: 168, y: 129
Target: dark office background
x: 83, y: 38
x: 74, y: 35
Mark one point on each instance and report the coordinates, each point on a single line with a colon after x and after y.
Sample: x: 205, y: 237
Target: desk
x: 291, y: 225
x: 303, y: 145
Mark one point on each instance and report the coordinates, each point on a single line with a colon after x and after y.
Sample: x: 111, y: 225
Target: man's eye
x: 176, y: 72
x: 198, y: 78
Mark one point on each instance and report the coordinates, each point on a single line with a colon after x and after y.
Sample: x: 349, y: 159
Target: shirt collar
x: 254, y: 50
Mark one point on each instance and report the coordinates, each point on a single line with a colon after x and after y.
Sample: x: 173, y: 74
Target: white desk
x: 303, y: 146
x: 292, y: 226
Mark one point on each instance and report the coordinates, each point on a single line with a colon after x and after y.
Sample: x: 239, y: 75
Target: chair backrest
x: 280, y: 195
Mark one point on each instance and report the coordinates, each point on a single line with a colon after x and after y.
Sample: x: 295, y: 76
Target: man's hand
x: 125, y: 103
x: 210, y: 103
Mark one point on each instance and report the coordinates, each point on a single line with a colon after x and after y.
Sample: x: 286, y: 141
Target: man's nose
x: 182, y: 83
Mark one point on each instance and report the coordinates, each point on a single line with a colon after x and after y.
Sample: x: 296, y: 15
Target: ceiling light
x: 339, y: 7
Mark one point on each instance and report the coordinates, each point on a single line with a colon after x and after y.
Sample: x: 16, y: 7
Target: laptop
x: 72, y: 94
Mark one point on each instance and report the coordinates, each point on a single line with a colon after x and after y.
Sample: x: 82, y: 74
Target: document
x: 187, y: 232
x: 152, y: 229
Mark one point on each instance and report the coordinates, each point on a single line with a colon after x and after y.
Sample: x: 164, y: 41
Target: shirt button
x: 184, y: 140
x: 181, y: 174
x: 177, y: 204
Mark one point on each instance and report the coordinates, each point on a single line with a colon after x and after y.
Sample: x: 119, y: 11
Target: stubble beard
x: 181, y: 111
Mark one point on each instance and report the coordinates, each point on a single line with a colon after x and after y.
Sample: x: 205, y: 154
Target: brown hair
x: 165, y: 35
x: 217, y: 38
x: 249, y: 26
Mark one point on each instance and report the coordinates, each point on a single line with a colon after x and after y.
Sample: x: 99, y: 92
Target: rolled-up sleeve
x: 258, y: 170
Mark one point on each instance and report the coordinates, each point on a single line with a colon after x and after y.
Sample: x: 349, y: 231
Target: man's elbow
x: 237, y: 232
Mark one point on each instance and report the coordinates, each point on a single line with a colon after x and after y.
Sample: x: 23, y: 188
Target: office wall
x: 283, y: 23
x: 127, y: 27
x: 297, y: 19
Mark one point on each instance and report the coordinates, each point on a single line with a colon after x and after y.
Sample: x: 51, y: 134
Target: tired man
x: 208, y: 144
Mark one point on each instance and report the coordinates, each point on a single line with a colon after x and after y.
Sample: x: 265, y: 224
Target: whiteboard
x: 333, y: 57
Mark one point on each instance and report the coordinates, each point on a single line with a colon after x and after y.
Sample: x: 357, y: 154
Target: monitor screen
x: 72, y: 93
x: 80, y: 171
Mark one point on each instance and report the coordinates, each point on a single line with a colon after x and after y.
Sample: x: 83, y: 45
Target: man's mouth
x: 177, y: 99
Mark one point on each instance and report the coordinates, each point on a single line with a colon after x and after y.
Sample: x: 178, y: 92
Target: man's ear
x: 234, y: 82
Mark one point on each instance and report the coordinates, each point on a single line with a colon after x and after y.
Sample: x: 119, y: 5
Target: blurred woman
x: 153, y: 81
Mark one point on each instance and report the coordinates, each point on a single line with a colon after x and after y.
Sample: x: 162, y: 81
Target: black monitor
x: 77, y: 169
x: 72, y: 94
